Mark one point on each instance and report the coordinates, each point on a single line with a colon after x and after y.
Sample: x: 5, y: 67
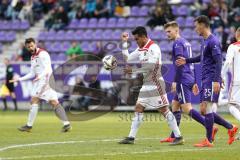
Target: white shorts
x: 234, y: 94
x: 43, y: 91
x: 153, y: 95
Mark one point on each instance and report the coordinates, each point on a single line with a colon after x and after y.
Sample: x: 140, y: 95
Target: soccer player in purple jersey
x: 184, y: 82
x: 211, y: 62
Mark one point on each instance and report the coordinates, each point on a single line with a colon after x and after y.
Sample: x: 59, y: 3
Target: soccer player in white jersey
x: 232, y: 64
x: 41, y: 70
x: 152, y: 93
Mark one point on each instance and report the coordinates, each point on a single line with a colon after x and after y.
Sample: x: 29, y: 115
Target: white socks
x: 32, y: 114
x: 137, y: 120
x: 214, y: 107
x: 172, y: 123
x: 234, y: 111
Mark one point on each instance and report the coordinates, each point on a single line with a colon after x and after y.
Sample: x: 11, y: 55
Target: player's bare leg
x: 14, y: 100
x: 61, y: 114
x: 31, y: 116
x: 172, y: 123
x: 136, y: 122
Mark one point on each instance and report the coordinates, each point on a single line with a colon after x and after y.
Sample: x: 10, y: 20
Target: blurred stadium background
x: 91, y: 29
x: 70, y: 28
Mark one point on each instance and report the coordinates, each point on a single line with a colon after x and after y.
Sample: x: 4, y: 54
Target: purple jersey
x: 211, y: 50
x: 185, y: 73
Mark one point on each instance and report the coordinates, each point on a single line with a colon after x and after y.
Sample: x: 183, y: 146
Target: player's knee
x: 34, y: 101
x: 139, y: 108
x: 175, y: 106
x: 186, y: 107
x: 54, y: 103
x: 164, y: 110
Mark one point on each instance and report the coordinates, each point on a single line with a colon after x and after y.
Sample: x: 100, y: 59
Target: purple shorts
x: 183, y: 93
x: 207, y: 94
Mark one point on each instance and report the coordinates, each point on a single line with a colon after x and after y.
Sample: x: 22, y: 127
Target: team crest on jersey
x: 145, y: 53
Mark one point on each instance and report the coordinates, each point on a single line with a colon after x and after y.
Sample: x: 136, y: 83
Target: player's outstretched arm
x: 181, y: 60
x: 26, y: 77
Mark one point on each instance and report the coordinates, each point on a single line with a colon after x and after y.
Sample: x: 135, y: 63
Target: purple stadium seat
x: 5, y: 25
x: 116, y: 35
x: 87, y: 35
x: 10, y: 36
x: 107, y: 34
x: 61, y: 57
x: 51, y: 35
x: 92, y: 47
x: 73, y: 24
x: 140, y: 22
x: 15, y: 25
x: 187, y: 1
x: 54, y: 56
x: 183, y: 10
x: 121, y: 23
x: 164, y: 45
x: 78, y: 36
x: 162, y: 35
x: 97, y: 35
x: 154, y: 35
x: 111, y: 22
x: 48, y: 46
x: 56, y: 47
x: 69, y: 35
x: 131, y: 22
x: 102, y: 23
x: 42, y: 36
x: 149, y: 2
x: 187, y: 33
x: 2, y: 36
x: 65, y: 46
x: 180, y: 21
x: 143, y: 11
x: 60, y: 35
x: 84, y: 46
x: 195, y: 46
x: 174, y: 10
x: 83, y: 23
x: 92, y: 23
x: 135, y: 11
x: 189, y: 22
x: 24, y: 25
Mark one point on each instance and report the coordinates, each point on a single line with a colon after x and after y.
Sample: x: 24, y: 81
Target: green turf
x: 97, y: 139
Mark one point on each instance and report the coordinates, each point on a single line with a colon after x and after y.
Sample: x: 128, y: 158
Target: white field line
x: 91, y: 154
x: 63, y: 142
x: 112, y: 154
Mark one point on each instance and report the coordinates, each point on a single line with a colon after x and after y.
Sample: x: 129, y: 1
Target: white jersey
x: 41, y: 68
x: 152, y: 92
x: 232, y: 63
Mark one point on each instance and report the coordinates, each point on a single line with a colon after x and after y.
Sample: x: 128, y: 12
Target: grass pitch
x: 97, y: 139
